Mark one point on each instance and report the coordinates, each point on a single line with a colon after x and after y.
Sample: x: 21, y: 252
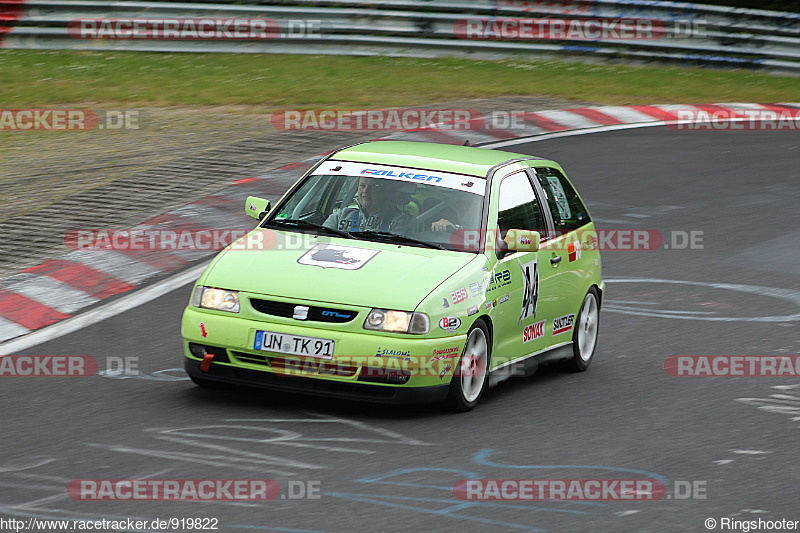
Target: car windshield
x: 415, y: 210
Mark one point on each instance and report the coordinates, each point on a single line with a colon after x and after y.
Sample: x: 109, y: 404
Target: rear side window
x: 568, y: 211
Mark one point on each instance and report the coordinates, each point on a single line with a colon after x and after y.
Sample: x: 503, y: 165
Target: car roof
x: 432, y: 156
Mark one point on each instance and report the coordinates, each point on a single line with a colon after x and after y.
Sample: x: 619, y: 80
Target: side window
x: 517, y: 206
x: 568, y: 211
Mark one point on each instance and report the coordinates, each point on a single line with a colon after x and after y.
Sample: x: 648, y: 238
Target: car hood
x: 360, y: 273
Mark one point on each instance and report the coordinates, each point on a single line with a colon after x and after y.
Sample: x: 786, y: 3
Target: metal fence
x: 684, y: 33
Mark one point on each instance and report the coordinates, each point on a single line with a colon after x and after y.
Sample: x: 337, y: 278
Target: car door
x: 570, y: 254
x: 526, y: 304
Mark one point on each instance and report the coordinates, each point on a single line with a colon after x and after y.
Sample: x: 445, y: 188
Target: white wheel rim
x: 473, y: 365
x: 587, y: 329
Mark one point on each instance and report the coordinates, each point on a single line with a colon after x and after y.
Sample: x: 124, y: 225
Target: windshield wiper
x: 388, y: 236
x: 304, y: 224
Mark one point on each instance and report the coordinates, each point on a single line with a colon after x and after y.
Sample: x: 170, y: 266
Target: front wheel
x: 584, y: 336
x: 470, y: 378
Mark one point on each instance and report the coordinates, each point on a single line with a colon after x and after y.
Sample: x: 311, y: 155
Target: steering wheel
x: 429, y: 214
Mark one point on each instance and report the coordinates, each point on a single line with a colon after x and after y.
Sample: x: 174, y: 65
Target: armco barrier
x: 692, y: 33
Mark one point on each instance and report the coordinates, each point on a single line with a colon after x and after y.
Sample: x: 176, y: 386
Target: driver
x: 459, y: 210
x: 374, y: 210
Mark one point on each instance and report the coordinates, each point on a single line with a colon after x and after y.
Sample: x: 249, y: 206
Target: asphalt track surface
x: 382, y: 468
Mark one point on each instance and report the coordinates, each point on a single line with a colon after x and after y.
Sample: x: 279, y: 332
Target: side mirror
x: 522, y: 240
x: 256, y: 207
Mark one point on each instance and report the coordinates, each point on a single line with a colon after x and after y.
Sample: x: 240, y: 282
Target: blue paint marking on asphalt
x: 464, y: 474
x: 453, y: 508
x: 370, y: 498
x: 456, y: 504
x: 482, y: 458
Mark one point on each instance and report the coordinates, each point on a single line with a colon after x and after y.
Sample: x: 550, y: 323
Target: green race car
x: 402, y: 272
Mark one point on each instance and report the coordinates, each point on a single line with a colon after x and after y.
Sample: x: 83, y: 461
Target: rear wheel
x: 470, y: 378
x: 584, y: 335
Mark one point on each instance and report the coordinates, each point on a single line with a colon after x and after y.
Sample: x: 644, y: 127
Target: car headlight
x: 219, y: 299
x: 398, y: 321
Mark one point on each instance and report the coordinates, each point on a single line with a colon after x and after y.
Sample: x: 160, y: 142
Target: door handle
x: 555, y: 260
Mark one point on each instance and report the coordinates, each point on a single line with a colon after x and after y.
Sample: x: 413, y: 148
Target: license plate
x: 271, y: 341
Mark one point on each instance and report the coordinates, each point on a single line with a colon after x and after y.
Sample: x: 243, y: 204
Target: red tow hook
x: 206, y: 364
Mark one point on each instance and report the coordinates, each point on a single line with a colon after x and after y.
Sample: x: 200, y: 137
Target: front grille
x: 296, y: 365
x: 256, y: 359
x: 315, y: 313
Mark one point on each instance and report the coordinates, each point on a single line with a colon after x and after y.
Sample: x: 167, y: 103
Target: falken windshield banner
x: 447, y: 180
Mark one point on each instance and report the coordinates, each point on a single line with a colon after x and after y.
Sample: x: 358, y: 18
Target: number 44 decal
x: 530, y: 288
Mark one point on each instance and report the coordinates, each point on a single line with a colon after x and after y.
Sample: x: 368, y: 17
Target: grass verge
x: 269, y: 82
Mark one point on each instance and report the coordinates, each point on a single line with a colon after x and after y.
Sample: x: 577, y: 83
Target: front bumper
x: 318, y: 387
x: 428, y: 362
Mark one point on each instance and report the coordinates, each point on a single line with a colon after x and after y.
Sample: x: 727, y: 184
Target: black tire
x: 472, y: 372
x: 584, y: 334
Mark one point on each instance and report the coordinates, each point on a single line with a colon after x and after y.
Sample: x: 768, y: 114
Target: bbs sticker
x: 459, y: 295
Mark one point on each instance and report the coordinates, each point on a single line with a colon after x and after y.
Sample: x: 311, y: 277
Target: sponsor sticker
x: 504, y: 299
x: 490, y: 283
x: 533, y: 331
x: 333, y: 256
x: 447, y: 353
x: 430, y: 177
x: 394, y: 354
x: 472, y: 310
x: 563, y: 324
x: 450, y: 323
x: 459, y: 295
x: 574, y: 251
